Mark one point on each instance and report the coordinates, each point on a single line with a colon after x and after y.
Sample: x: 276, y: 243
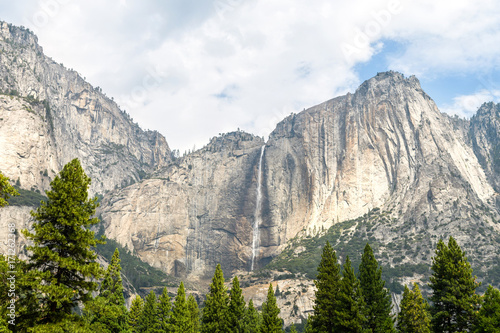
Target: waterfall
x: 258, y: 209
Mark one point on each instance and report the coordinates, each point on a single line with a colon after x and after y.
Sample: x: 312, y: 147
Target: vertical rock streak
x: 258, y: 210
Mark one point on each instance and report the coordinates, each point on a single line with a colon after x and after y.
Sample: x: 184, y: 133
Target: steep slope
x: 50, y: 115
x: 386, y: 146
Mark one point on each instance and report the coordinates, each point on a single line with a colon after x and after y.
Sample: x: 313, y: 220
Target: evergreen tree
x: 350, y: 306
x: 271, y: 322
x: 194, y: 313
x: 112, y: 285
x: 488, y: 319
x: 377, y: 298
x: 292, y: 328
x: 6, y: 190
x: 236, y: 309
x: 62, y: 266
x: 164, y: 312
x: 148, y: 320
x: 252, y: 319
x: 214, y: 318
x: 181, y: 318
x: 327, y: 288
x: 413, y: 316
x: 454, y: 299
x: 135, y: 314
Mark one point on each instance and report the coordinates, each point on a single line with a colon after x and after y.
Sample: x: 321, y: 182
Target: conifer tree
x: 292, y: 328
x: 455, y: 302
x: 350, y: 307
x: 214, y: 318
x: 413, y: 316
x: 271, y: 322
x: 62, y: 265
x: 181, y: 318
x: 194, y: 313
x: 236, y: 308
x: 6, y: 190
x: 148, y: 320
x: 252, y: 319
x: 164, y: 312
x: 112, y: 285
x: 327, y: 288
x: 135, y: 314
x: 488, y: 319
x: 378, y: 303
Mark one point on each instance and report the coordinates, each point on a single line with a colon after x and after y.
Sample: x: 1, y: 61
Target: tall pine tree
x: 164, y: 312
x: 181, y: 318
x: 62, y: 265
x: 350, y: 307
x: 194, y: 314
x: 236, y: 309
x: 414, y: 316
x: 215, y: 318
x: 327, y: 289
x: 455, y: 302
x: 252, y: 319
x: 271, y: 322
x: 148, y: 320
x: 488, y: 319
x: 6, y: 190
x: 134, y: 314
x: 377, y: 298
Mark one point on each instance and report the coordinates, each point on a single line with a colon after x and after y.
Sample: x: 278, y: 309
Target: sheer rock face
x: 385, y: 146
x: 77, y: 120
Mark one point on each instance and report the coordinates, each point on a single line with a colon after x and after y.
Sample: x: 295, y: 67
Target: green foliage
x: 271, y: 322
x: 62, y: 266
x: 215, y: 318
x: 139, y: 273
x: 455, y: 302
x: 327, y: 290
x: 148, y: 320
x: 236, y: 309
x: 111, y: 286
x: 164, y: 312
x: 194, y: 314
x: 350, y: 304
x: 252, y: 319
x: 414, y: 316
x: 6, y: 190
x: 292, y: 328
x: 181, y: 318
x: 135, y: 313
x: 488, y: 319
x: 377, y: 298
x: 27, y: 198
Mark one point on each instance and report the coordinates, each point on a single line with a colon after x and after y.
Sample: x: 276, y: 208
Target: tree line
x: 61, y: 287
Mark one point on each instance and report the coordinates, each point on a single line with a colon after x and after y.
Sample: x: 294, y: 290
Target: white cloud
x: 192, y: 69
x: 467, y: 105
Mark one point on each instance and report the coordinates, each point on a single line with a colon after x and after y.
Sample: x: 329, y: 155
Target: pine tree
x: 327, y: 289
x: 214, y: 318
x: 252, y: 319
x: 236, y: 309
x: 413, y: 316
x: 454, y: 299
x: 181, y: 318
x: 350, y: 307
x: 194, y: 314
x: 488, y: 319
x: 292, y: 328
x: 135, y: 314
x: 6, y: 190
x: 378, y: 300
x: 62, y: 265
x: 148, y: 320
x: 271, y: 322
x: 112, y: 285
x: 164, y: 312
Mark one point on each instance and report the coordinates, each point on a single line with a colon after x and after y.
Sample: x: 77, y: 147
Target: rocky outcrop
x: 50, y: 115
x: 385, y: 146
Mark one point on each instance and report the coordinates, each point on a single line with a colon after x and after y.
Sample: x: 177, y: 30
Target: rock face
x: 50, y: 115
x: 386, y: 146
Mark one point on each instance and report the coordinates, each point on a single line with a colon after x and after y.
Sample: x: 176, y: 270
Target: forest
x: 62, y: 288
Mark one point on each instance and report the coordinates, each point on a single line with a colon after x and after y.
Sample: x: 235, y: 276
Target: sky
x: 192, y: 69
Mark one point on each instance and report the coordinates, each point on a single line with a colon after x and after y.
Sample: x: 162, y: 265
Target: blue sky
x: 192, y: 69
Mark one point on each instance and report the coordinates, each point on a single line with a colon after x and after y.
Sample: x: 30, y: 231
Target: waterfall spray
x: 258, y: 210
